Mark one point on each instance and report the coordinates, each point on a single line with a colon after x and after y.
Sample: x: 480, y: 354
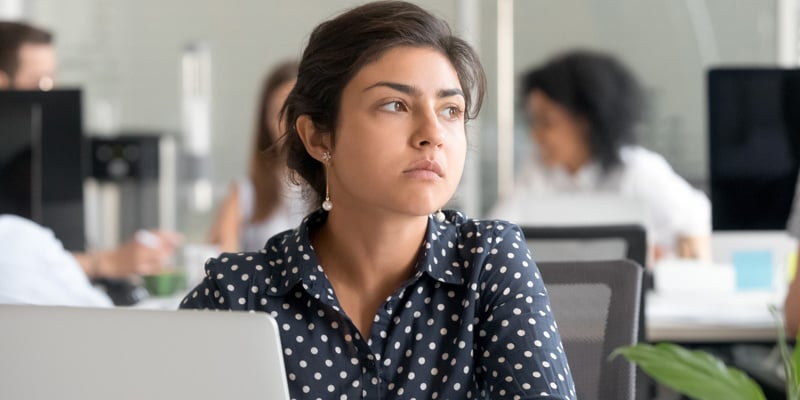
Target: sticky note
x: 791, y: 266
x: 753, y: 269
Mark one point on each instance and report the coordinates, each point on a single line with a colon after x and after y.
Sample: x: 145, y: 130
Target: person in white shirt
x: 36, y: 269
x: 584, y: 107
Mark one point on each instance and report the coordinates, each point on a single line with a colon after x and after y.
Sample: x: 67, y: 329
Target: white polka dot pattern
x: 473, y: 322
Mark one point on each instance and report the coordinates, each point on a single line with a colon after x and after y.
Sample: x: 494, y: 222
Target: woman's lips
x: 425, y: 169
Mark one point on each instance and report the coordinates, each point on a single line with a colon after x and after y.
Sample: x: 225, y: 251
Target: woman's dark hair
x: 340, y: 47
x: 598, y: 88
x: 265, y: 159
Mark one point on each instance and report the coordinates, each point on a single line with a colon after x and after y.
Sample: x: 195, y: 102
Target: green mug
x: 163, y: 284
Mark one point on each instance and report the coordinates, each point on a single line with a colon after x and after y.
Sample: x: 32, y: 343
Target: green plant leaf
x: 795, y: 378
x: 696, y: 374
x: 788, y: 366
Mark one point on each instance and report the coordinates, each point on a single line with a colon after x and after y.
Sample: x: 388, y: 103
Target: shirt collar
x: 440, y: 252
x: 292, y: 259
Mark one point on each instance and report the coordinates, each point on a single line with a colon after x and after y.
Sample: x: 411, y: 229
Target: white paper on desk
x: 751, y: 309
x: 691, y: 276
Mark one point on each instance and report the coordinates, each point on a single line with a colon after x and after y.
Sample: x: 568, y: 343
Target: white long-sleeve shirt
x: 671, y: 206
x: 36, y: 269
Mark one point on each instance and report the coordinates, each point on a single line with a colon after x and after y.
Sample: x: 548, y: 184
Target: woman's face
x: 273, y: 108
x: 400, y: 139
x: 561, y: 137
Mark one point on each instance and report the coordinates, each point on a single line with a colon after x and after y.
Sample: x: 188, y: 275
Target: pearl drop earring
x: 439, y: 216
x: 327, y: 205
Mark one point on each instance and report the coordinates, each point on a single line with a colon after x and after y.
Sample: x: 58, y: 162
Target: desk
x: 721, y: 315
x: 711, y: 318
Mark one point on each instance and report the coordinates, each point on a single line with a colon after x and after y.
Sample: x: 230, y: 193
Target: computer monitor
x: 754, y: 146
x: 42, y: 162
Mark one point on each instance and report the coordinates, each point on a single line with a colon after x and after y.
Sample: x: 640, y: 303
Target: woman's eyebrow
x: 400, y: 87
x: 414, y: 91
x: 450, y: 92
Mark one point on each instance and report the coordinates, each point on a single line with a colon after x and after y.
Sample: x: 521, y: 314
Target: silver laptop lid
x: 90, y: 353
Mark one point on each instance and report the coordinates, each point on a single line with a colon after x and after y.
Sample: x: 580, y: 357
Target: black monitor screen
x: 42, y: 161
x: 754, y: 146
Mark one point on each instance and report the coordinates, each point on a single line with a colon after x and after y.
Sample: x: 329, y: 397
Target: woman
x: 380, y: 294
x: 264, y: 203
x: 584, y: 107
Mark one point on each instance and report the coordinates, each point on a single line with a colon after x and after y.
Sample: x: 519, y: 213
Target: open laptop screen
x: 94, y: 354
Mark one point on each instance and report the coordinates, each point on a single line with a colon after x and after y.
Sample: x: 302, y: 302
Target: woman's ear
x: 316, y: 142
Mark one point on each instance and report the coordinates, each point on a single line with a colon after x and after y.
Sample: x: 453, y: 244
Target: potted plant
x: 702, y: 376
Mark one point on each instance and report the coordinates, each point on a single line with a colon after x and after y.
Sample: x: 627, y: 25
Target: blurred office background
x: 126, y: 56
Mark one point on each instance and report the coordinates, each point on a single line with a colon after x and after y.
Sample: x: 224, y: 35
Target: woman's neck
x: 369, y: 249
x: 367, y: 257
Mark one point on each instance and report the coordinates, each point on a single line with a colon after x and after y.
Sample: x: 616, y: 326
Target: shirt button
x: 369, y: 364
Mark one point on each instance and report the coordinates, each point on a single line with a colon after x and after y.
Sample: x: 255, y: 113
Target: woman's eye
x: 394, y: 106
x: 451, y: 112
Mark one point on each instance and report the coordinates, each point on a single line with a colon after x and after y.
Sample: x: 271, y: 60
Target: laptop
x: 93, y: 353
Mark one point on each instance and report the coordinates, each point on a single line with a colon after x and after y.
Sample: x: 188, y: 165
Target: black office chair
x: 592, y: 243
x: 597, y: 242
x: 613, y: 242
x: 596, y: 305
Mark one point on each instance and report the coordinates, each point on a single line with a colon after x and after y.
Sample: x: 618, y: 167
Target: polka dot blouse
x: 473, y: 321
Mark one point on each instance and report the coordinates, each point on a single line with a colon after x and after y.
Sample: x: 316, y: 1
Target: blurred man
x: 27, y: 57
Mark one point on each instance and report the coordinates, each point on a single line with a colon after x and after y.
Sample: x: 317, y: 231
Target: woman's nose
x: 429, y: 131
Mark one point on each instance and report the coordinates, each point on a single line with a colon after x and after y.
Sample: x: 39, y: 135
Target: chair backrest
x: 585, y: 243
x: 597, y: 307
x: 592, y: 243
